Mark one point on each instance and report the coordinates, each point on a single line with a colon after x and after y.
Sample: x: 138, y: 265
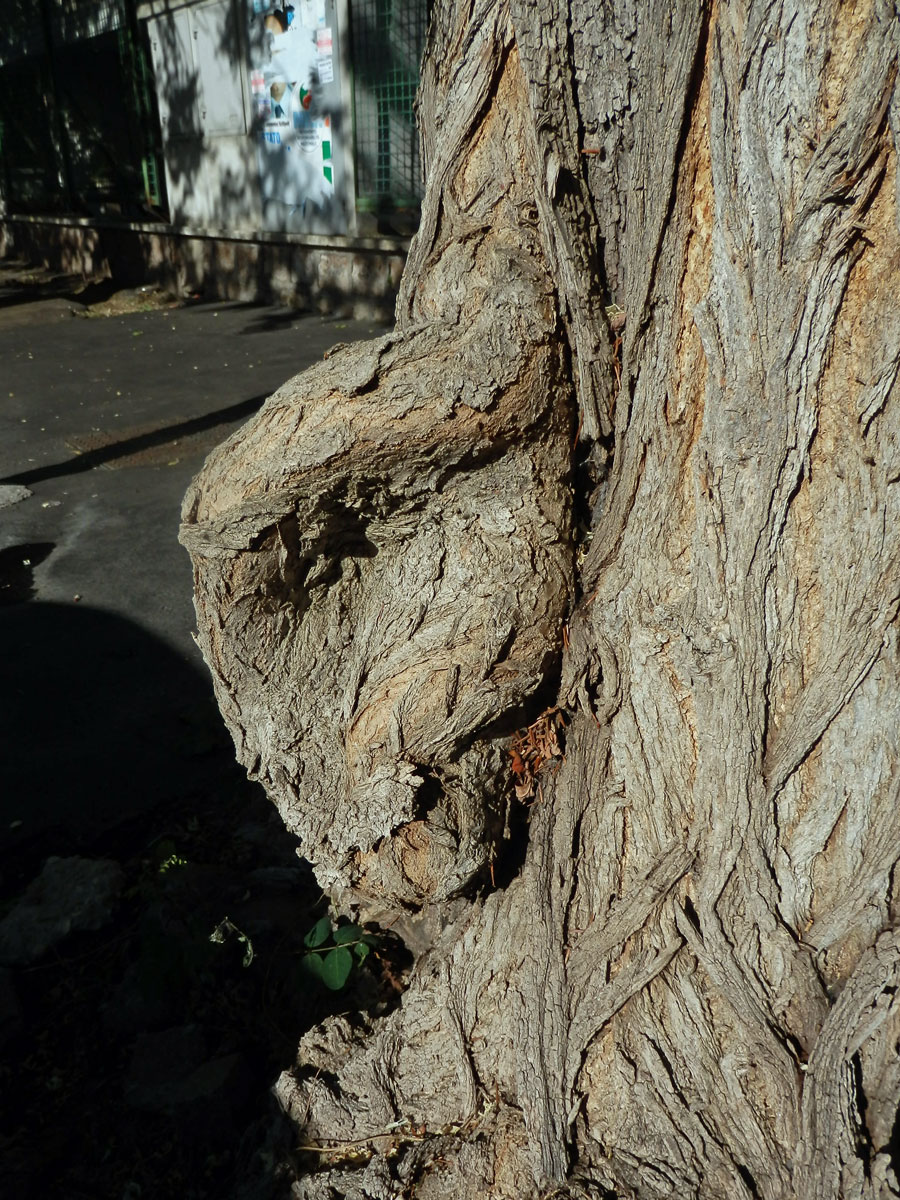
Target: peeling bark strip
x: 689, y: 988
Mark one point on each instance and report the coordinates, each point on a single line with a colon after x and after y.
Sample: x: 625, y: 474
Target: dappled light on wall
x: 253, y: 116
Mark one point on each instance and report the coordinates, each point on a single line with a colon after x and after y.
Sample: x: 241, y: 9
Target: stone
x: 169, y: 1075
x: 13, y: 493
x: 70, y: 894
x: 10, y: 1009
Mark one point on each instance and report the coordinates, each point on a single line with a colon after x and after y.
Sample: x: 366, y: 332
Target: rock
x: 168, y: 1077
x: 10, y: 1009
x: 160, y: 1064
x: 279, y: 879
x: 142, y: 999
x: 70, y: 894
x: 12, y: 493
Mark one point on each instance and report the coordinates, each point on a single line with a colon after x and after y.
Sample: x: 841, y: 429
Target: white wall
x: 221, y: 175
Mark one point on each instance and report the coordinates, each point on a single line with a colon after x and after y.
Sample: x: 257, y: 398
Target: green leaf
x: 248, y: 949
x: 336, y: 967
x: 319, y: 933
x: 347, y: 933
x: 174, y: 860
x: 361, y: 950
x: 313, y: 964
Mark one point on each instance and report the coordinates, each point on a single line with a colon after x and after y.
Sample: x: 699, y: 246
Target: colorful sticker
x: 307, y: 132
x: 324, y: 130
x: 295, y: 142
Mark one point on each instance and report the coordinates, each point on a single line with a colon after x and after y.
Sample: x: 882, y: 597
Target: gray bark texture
x: 625, y: 471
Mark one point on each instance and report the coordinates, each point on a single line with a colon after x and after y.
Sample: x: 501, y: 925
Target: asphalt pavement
x: 105, y: 703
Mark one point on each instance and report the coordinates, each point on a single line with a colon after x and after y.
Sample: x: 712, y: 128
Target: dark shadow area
x: 893, y: 1145
x: 145, y: 441
x: 46, y: 286
x: 101, y: 721
x: 273, y: 322
x: 17, y: 565
x: 138, y: 1053
x: 79, y: 120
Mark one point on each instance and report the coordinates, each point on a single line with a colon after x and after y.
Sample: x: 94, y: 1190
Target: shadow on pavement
x: 102, y: 721
x: 40, y: 284
x: 274, y: 321
x: 144, y: 441
x: 137, y: 1052
x: 17, y: 565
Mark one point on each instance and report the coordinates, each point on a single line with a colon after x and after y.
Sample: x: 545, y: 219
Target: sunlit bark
x: 631, y: 454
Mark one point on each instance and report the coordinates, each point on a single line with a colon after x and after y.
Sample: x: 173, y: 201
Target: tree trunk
x: 624, y: 474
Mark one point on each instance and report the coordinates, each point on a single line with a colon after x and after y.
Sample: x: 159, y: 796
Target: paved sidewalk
x: 105, y: 420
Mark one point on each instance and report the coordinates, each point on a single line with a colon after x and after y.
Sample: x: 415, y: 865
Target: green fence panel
x: 388, y: 37
x: 78, y: 119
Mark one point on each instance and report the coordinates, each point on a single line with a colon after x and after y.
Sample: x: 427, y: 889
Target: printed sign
x: 294, y: 60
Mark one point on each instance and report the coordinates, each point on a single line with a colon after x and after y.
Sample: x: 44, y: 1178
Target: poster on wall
x: 295, y: 103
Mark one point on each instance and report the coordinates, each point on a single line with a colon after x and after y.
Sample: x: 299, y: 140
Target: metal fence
x: 78, y: 130
x: 388, y: 37
x: 79, y: 127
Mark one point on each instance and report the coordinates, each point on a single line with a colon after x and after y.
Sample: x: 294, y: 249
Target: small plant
x: 173, y: 860
x: 226, y: 927
x: 333, y: 952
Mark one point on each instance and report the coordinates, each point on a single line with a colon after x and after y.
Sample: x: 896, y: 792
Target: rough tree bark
x: 631, y: 453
